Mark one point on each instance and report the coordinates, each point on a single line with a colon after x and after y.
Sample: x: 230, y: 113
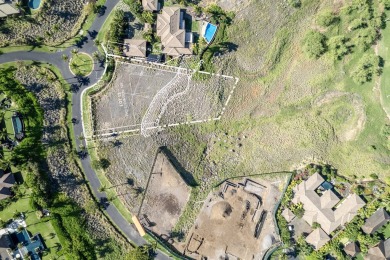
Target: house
x: 5, y: 246
x: 288, y: 215
x: 151, y: 5
x: 317, y: 238
x: 7, y: 180
x: 380, y: 252
x: 352, y: 249
x: 31, y: 246
x: 7, y: 8
x: 134, y: 48
x: 171, y: 29
x: 376, y: 221
x: 326, y: 208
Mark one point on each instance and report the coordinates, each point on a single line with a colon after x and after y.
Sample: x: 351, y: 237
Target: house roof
x: 5, y: 243
x: 170, y: 28
x: 317, y: 238
x: 134, y: 48
x: 7, y: 180
x: 376, y: 221
x: 150, y: 5
x: 320, y: 208
x: 329, y: 199
x: 380, y: 252
x: 352, y: 249
x: 288, y: 215
x: 8, y: 9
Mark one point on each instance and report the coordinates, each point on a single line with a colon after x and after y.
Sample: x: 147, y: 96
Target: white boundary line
x: 155, y: 127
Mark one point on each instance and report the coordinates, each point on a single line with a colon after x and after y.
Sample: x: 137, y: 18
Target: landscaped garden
x: 81, y: 64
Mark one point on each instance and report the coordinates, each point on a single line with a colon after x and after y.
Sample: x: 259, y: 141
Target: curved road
x: 55, y: 59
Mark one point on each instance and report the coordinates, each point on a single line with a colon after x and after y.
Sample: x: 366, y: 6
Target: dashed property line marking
x: 104, y: 135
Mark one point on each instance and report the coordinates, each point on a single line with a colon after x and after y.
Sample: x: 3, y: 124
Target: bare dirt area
x: 236, y: 221
x: 165, y: 197
x: 152, y: 96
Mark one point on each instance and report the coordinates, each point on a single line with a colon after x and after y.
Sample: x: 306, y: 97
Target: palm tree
x: 102, y: 188
x: 75, y: 51
x: 65, y: 57
x: 4, y: 163
x: 3, y: 133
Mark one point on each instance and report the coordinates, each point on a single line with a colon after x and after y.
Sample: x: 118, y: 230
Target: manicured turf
x: 384, y: 52
x: 386, y: 233
x: 34, y: 225
x: 81, y: 64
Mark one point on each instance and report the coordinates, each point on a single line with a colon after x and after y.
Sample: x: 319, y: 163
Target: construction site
x: 235, y: 222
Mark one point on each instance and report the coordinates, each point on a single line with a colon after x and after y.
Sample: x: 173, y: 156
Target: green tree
x: 338, y: 47
x: 148, y: 17
x: 316, y: 225
x: 64, y: 57
x: 366, y: 68
x: 140, y: 253
x: 314, y: 44
x: 326, y: 18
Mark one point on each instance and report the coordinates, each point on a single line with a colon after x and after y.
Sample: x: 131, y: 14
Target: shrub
x: 338, y: 47
x: 314, y: 44
x: 366, y: 68
x: 326, y: 18
x: 295, y: 3
x: 316, y: 225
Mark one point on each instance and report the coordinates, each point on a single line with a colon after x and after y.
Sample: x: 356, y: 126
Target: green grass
x: 384, y: 52
x: 195, y: 26
x: 81, y: 64
x: 34, y: 224
x: 386, y: 232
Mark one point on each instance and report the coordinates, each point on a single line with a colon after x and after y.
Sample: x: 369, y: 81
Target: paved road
x: 55, y: 59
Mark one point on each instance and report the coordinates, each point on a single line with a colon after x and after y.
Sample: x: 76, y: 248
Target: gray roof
x: 376, y: 221
x: 7, y: 180
x: 8, y: 9
x: 134, y: 48
x: 381, y: 251
x: 170, y: 27
x: 150, y: 5
x: 352, y: 249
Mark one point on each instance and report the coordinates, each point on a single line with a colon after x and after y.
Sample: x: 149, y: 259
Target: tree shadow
x: 187, y: 176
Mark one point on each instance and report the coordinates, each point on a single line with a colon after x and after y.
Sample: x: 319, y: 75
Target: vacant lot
x: 145, y: 96
x: 165, y: 197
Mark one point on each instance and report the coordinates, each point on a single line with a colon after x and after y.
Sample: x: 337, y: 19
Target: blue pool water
x: 209, y: 32
x: 34, y: 4
x: 327, y: 185
x: 17, y: 123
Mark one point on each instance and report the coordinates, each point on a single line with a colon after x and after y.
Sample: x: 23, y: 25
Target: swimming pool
x: 17, y: 124
x: 34, y: 4
x: 209, y: 32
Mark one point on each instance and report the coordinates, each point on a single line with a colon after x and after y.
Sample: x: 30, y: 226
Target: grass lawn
x: 34, y: 225
x: 386, y: 232
x: 81, y: 64
x: 384, y: 52
x: 195, y: 26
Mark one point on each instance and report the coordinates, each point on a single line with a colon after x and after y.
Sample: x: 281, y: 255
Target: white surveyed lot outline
x: 168, y: 94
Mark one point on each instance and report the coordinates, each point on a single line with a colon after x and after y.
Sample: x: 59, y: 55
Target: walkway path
x: 98, y: 71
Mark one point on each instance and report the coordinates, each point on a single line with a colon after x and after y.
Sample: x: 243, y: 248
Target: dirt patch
x: 165, y: 197
x: 236, y: 221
